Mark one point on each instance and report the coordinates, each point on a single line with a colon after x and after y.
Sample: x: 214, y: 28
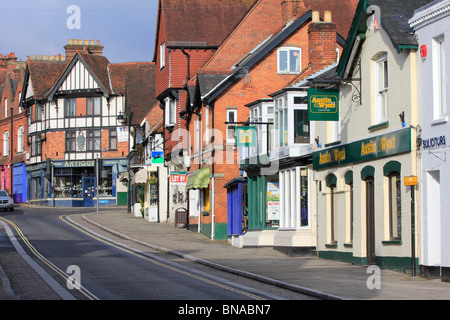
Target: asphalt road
x: 100, y: 270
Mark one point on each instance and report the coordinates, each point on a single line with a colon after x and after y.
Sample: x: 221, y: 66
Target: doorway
x: 370, y: 221
x: 88, y: 191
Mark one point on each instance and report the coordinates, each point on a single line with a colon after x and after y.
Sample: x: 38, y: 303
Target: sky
x: 126, y: 28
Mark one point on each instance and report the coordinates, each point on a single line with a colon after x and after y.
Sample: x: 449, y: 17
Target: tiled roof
x: 202, y: 22
x: 140, y: 90
x: 44, y: 74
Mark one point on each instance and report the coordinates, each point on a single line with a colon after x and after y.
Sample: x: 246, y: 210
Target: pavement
x: 310, y: 275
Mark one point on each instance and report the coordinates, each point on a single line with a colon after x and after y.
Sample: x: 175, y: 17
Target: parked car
x: 6, y: 201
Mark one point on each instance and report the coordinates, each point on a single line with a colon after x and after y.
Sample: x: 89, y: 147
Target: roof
x: 44, y: 74
x: 140, y: 90
x: 200, y: 23
x: 394, y: 20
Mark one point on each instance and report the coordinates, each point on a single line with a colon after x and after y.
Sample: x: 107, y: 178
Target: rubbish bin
x: 181, y: 218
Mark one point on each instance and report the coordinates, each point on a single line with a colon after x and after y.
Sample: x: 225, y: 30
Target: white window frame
x: 231, y: 126
x: 288, y: 51
x: 5, y: 143
x: 20, y: 134
x: 439, y: 79
x: 171, y: 115
x: 162, y: 55
x: 381, y: 85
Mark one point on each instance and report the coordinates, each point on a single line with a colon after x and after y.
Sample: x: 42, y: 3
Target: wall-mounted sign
x: 157, y: 158
x: 178, y: 178
x: 410, y: 181
x: 323, y: 104
x: 246, y: 136
x: 434, y: 142
x: 362, y: 150
x: 273, y: 201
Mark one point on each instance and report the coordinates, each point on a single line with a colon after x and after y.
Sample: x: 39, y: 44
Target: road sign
x: 411, y: 181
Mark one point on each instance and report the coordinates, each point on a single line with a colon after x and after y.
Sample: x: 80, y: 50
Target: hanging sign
x: 246, y: 136
x: 323, y: 104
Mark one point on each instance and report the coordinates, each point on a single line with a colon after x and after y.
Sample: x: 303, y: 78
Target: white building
x: 431, y: 25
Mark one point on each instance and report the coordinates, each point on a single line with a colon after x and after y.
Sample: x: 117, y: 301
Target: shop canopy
x: 139, y: 177
x: 199, y: 179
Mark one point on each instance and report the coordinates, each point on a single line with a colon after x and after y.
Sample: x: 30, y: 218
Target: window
x: 301, y: 126
x: 395, y: 209
x: 70, y: 108
x: 289, y: 60
x: 93, y: 141
x: 439, y: 76
x: 294, y: 198
x: 36, y: 145
x: 71, y: 141
x: 93, y: 106
x: 20, y: 139
x: 281, y: 122
x: 39, y: 111
x: 113, y: 139
x: 381, y: 88
x: 231, y: 117
x: 5, y: 143
x: 162, y: 53
x: 171, y: 112
x: 331, y: 182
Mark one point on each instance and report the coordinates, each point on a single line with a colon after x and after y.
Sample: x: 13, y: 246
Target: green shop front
x: 73, y: 183
x: 364, y: 208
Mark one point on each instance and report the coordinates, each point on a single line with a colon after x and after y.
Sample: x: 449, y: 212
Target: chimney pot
x: 315, y: 16
x: 92, y: 42
x: 328, y: 16
x: 69, y: 41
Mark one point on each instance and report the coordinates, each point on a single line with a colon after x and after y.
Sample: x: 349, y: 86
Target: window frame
x: 170, y: 112
x: 288, y: 51
x: 71, y: 139
x: 92, y: 100
x: 20, y: 139
x: 395, y: 235
x: 231, y: 126
x: 6, y: 143
x: 162, y: 55
x: 70, y: 107
x: 113, y: 136
x: 381, y: 87
x: 439, y: 87
x: 91, y: 137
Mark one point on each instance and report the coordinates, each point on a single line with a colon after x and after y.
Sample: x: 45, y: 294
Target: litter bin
x: 181, y: 218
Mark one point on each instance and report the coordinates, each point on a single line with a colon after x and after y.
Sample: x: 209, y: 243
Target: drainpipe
x: 11, y: 155
x: 188, y: 64
x: 212, y: 178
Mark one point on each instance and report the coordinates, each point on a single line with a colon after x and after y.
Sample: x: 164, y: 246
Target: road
x: 61, y: 256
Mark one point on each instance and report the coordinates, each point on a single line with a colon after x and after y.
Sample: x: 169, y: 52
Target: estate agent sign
x: 323, y: 104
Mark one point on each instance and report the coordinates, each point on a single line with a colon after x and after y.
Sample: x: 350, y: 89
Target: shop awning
x: 124, y: 176
x: 139, y: 177
x: 199, y: 179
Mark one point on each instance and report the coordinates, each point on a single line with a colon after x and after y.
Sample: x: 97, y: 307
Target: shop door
x: 88, y: 191
x: 370, y: 210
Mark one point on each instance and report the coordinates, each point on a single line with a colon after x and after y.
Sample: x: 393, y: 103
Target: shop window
x: 294, y: 203
x: 105, y: 185
x: 350, y: 208
x: 301, y: 126
x: 93, y: 106
x: 395, y: 208
x: 205, y: 200
x: 70, y: 108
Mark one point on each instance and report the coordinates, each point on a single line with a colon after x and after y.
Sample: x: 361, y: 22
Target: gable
x: 79, y: 78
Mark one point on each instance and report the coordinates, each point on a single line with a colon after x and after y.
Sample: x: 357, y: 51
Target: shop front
x: 74, y: 183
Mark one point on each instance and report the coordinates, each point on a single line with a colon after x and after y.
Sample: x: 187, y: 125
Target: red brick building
x: 188, y: 33
x: 244, y: 69
x: 13, y: 128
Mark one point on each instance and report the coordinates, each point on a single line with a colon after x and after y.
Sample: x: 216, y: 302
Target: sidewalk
x: 320, y: 277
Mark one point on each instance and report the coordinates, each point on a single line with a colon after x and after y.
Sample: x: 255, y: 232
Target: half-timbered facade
x: 77, y: 128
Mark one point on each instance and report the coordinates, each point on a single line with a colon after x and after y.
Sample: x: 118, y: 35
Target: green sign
x: 362, y: 150
x: 246, y: 136
x: 323, y: 104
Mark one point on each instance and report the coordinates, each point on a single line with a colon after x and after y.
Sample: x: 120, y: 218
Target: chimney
x: 84, y: 46
x: 292, y: 9
x: 322, y: 41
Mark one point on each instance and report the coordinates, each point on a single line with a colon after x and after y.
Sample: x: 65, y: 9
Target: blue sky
x: 126, y: 28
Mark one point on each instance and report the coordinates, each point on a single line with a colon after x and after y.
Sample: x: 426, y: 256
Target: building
x: 13, y: 128
x: 360, y: 159
x: 272, y: 33
x: 78, y: 140
x: 431, y: 27
x: 188, y: 33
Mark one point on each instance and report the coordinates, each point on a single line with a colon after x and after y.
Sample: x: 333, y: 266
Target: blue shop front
x: 73, y: 183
